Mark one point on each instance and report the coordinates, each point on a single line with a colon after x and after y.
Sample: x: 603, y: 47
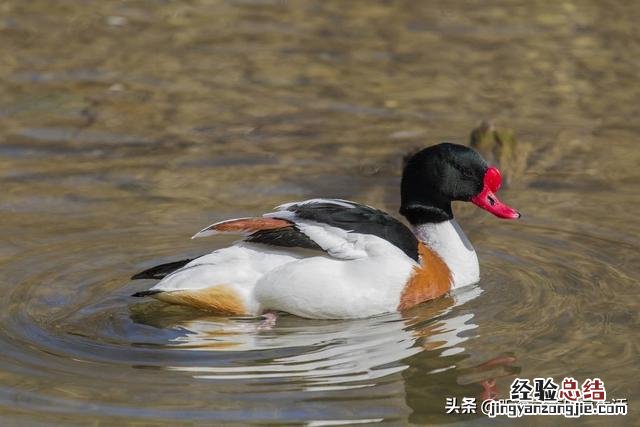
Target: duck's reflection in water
x: 424, y: 347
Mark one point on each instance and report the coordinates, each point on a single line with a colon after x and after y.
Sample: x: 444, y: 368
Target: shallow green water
x: 127, y: 126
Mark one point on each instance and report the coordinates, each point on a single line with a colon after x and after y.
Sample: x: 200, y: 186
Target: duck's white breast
x: 449, y: 241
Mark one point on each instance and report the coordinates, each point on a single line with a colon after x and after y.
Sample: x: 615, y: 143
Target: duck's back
x: 318, y: 258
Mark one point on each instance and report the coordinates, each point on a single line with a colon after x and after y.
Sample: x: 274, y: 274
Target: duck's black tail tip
x: 160, y: 271
x: 146, y: 293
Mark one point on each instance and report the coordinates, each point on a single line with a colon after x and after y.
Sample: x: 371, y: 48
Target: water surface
x: 127, y: 126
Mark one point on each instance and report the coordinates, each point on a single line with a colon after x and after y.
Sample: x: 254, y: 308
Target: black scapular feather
x: 361, y: 219
x: 289, y: 237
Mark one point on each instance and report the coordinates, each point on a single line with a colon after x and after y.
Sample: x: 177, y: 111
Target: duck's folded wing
x: 339, y: 227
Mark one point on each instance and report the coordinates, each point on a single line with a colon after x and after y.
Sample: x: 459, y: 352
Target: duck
x: 338, y: 259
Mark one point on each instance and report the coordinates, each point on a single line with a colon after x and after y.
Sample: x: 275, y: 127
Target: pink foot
x: 490, y: 390
x: 489, y: 386
x: 268, y: 320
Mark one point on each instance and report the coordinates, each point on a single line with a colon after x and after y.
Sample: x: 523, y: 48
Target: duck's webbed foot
x: 268, y: 320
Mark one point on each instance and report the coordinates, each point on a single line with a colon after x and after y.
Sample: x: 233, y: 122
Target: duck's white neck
x: 449, y: 241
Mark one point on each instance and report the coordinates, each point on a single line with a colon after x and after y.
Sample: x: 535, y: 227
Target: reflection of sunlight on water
x: 447, y: 335
x: 330, y: 353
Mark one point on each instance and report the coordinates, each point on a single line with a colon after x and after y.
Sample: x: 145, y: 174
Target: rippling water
x: 127, y: 126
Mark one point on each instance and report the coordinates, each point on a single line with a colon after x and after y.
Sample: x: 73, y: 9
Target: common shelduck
x: 337, y: 259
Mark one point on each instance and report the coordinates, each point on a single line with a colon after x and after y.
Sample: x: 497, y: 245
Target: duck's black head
x: 437, y: 175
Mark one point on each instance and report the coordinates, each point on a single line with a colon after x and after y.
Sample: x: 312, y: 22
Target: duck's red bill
x: 487, y: 199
